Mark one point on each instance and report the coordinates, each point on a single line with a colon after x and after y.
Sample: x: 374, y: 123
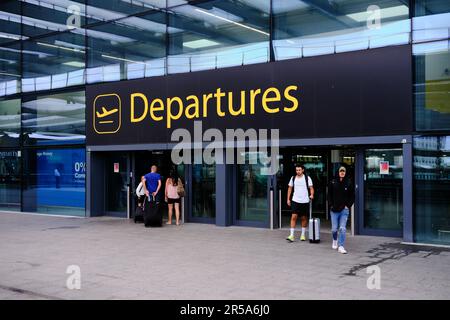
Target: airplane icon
x: 107, y: 109
x: 106, y: 113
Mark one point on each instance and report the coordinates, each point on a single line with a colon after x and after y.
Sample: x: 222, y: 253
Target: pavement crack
x: 31, y: 264
x: 393, y: 251
x: 29, y: 293
x: 62, y: 227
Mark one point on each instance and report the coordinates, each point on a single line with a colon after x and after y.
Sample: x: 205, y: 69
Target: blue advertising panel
x: 61, y: 179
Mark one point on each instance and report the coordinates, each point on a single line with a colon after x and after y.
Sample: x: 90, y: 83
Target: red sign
x: 384, y: 167
x: 116, y: 167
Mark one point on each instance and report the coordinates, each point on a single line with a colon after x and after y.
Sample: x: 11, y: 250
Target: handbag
x: 180, y: 188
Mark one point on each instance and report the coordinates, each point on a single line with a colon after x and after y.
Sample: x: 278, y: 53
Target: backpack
x: 307, y: 185
x: 180, y: 188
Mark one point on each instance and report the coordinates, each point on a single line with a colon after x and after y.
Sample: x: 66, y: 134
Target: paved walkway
x: 121, y: 260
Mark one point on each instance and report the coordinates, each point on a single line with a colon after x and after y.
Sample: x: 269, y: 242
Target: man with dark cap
x: 341, y: 196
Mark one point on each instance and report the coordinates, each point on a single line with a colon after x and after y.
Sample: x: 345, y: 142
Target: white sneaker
x: 334, y: 245
x: 342, y: 250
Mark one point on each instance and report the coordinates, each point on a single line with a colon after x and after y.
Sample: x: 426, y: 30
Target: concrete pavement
x: 118, y: 259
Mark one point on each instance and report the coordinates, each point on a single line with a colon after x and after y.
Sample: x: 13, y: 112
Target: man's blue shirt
x: 151, y: 181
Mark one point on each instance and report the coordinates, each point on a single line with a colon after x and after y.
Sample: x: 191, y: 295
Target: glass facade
x: 218, y: 34
x: 432, y: 85
x: 58, y: 44
x: 309, y: 28
x: 203, y: 191
x: 50, y: 50
x: 129, y: 48
x: 431, y: 189
x: 54, y: 181
x: 10, y: 179
x: 252, y: 190
x: 383, y: 189
x: 431, y: 53
x: 54, y: 119
x: 9, y: 122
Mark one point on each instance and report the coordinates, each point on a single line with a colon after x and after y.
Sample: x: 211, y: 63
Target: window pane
x: 431, y: 28
x: 9, y: 69
x: 252, y: 190
x: 431, y: 189
x: 432, y: 85
x: 308, y: 28
x: 9, y: 21
x: 44, y: 17
x: 203, y: 191
x: 218, y: 34
x: 55, y: 181
x: 9, y: 123
x: 54, y: 119
x: 383, y: 189
x: 101, y: 10
x: 53, y: 62
x: 431, y: 7
x: 127, y: 49
x: 10, y: 180
x: 432, y: 20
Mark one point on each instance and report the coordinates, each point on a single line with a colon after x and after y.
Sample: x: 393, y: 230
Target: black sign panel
x: 343, y: 95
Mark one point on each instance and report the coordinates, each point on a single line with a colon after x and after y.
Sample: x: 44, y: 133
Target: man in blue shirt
x: 152, y: 182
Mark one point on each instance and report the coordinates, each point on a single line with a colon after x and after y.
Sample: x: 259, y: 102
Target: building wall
x: 50, y: 51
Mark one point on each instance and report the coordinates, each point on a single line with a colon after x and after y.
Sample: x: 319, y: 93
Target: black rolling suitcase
x: 139, y: 215
x: 152, y: 213
x: 139, y: 212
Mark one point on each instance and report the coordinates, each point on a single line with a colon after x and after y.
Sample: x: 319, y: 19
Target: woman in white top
x: 172, y: 197
x: 140, y: 193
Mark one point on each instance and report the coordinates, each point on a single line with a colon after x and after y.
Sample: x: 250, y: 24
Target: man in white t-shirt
x: 302, y: 194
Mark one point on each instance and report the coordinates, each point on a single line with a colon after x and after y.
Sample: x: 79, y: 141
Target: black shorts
x: 302, y: 209
x: 172, y: 201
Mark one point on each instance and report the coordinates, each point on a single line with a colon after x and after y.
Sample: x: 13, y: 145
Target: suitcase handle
x: 310, y: 209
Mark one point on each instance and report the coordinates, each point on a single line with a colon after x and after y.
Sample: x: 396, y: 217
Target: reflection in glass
x: 54, y: 181
x: 383, y: 189
x: 252, y: 190
x: 129, y: 48
x: 9, y: 21
x: 9, y: 180
x: 432, y: 85
x: 44, y: 17
x: 116, y: 183
x: 431, y: 189
x: 9, y: 69
x: 101, y: 10
x: 203, y: 191
x: 431, y: 7
x: 316, y: 168
x: 54, y: 119
x: 309, y: 28
x: 218, y: 34
x: 9, y: 122
x: 54, y: 61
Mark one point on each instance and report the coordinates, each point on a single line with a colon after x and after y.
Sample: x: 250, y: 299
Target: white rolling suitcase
x: 314, y: 227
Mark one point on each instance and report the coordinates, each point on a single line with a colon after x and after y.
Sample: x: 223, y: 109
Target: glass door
x: 116, y: 179
x: 316, y: 165
x: 203, y: 193
x: 383, y: 192
x: 252, y: 192
x: 10, y: 180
